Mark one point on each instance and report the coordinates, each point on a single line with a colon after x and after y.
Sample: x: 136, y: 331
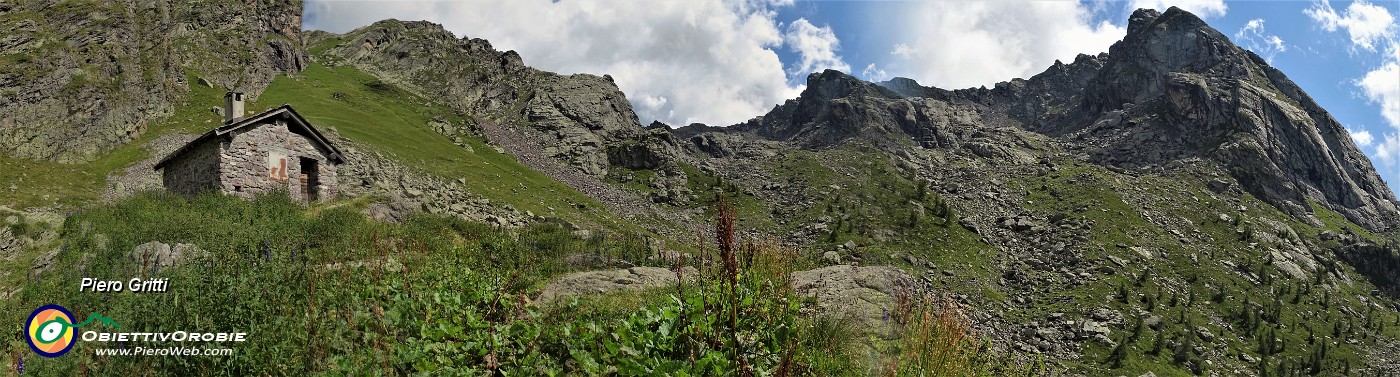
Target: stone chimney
x: 233, y: 106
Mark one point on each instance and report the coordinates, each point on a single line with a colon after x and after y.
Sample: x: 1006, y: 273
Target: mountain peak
x: 1173, y: 75
x: 1141, y: 18
x: 832, y: 84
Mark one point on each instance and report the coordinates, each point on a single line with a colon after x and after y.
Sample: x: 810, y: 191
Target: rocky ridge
x: 1131, y: 108
x: 585, y: 120
x: 1082, y: 176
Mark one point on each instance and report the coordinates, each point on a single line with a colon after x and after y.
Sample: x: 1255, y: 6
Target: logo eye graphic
x: 51, y: 331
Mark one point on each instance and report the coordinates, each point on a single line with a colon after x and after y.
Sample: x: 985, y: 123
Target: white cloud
x: 1382, y: 87
x: 873, y: 73
x: 965, y: 44
x: 1367, y: 24
x: 1361, y: 137
x: 1388, y: 149
x: 815, y: 46
x: 903, y: 51
x: 1371, y: 27
x: 1253, y: 37
x: 1201, y: 8
x: 710, y: 61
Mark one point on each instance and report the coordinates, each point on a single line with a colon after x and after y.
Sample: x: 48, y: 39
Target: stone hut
x: 273, y: 150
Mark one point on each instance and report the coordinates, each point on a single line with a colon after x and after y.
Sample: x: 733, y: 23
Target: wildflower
x: 885, y: 316
x: 19, y: 366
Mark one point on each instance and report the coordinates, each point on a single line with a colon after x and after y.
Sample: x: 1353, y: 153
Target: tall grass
x: 326, y: 291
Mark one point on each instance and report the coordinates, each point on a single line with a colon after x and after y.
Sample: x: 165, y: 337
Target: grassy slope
x: 395, y: 122
x: 273, y: 265
x: 1187, y: 293
x: 325, y: 290
x: 367, y: 111
x: 45, y: 183
x: 870, y: 202
x: 1223, y: 297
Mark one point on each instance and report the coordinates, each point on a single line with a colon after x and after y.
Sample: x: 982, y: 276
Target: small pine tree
x: 1159, y: 343
x: 1184, y: 349
x: 1119, y: 353
x: 1264, y: 366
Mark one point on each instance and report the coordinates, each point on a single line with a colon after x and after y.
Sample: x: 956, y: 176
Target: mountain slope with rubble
x: 1173, y: 205
x: 1068, y: 213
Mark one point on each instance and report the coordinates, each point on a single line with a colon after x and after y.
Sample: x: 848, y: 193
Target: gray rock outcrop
x: 604, y: 281
x: 866, y: 294
x: 405, y: 190
x: 80, y: 79
x: 1174, y: 76
x: 1174, y: 92
x: 582, y: 120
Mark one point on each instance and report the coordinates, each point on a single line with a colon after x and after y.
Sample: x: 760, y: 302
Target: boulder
x: 604, y: 281
x: 831, y: 257
x: 866, y: 294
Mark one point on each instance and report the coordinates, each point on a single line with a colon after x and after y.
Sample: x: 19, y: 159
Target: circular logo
x: 51, y: 330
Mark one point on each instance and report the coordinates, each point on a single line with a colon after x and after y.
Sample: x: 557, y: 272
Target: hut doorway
x: 310, y: 180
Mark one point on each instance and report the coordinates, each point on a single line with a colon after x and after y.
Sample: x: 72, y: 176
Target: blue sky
x: 721, y: 62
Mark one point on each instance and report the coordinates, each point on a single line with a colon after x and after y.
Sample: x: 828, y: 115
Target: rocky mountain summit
x: 1175, y: 164
x: 1174, y: 199
x: 1173, y: 92
x: 581, y: 119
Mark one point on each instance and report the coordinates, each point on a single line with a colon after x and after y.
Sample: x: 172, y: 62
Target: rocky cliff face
x: 78, y: 78
x: 1173, y: 92
x: 582, y: 119
x: 1174, y: 88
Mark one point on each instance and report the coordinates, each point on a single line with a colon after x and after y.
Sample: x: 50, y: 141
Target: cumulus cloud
x: 816, y: 48
x: 965, y: 44
x: 1367, y: 24
x: 873, y: 73
x: 1253, y: 37
x: 903, y: 51
x: 1388, y: 149
x: 1371, y: 28
x: 1201, y: 8
x: 710, y: 61
x: 1361, y: 137
x: 1382, y: 87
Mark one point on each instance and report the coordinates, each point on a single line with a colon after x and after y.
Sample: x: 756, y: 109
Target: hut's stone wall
x: 269, y: 157
x: 196, y: 171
